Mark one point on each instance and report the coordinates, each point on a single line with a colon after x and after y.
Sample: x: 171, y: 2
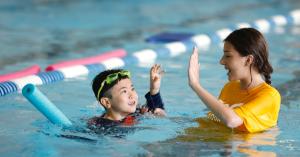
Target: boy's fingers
x: 162, y: 72
x: 156, y: 70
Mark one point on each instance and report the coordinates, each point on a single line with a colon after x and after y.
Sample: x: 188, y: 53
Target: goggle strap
x: 122, y: 73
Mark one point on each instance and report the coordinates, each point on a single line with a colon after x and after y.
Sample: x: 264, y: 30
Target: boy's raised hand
x: 155, y: 78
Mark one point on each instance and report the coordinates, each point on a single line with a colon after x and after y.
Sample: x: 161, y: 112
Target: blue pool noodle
x: 45, y: 106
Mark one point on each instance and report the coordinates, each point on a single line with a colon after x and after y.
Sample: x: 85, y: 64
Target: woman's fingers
x: 194, y: 59
x: 193, y: 71
x: 195, y: 55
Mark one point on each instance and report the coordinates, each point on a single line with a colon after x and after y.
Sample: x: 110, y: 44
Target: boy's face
x: 124, y: 98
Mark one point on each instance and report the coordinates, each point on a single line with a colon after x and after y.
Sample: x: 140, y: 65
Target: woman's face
x: 234, y: 63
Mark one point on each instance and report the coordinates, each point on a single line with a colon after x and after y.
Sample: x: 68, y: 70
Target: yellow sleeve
x: 260, y: 113
x: 223, y: 91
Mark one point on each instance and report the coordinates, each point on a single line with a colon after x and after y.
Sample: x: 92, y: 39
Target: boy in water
x: 115, y: 92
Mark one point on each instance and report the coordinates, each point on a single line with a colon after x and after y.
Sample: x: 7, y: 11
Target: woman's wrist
x: 196, y: 87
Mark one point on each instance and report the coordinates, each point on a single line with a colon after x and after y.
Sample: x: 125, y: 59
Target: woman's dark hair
x: 97, y: 81
x: 249, y: 41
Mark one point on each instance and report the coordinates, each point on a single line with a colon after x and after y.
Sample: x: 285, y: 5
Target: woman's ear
x: 104, y: 101
x: 249, y: 60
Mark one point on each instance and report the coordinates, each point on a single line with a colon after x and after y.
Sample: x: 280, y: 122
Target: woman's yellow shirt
x: 259, y: 107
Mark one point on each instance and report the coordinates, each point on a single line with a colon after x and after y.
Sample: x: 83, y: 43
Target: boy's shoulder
x: 116, y: 128
x: 100, y: 121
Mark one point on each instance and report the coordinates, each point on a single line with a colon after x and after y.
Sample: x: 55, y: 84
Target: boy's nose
x: 132, y: 95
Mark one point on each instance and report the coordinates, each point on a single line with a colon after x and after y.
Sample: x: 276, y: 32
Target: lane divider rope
x: 147, y: 56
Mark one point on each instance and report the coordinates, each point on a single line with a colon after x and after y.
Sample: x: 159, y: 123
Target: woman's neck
x: 249, y: 83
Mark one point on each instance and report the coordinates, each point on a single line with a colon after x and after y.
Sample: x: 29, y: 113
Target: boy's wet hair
x: 97, y: 81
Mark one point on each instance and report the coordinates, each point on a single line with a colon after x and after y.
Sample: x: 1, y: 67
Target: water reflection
x: 211, y: 138
x: 290, y: 90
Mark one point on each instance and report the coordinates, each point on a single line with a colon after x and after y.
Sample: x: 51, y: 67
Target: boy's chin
x: 132, y: 110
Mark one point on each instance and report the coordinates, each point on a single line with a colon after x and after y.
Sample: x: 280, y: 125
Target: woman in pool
x: 247, y: 102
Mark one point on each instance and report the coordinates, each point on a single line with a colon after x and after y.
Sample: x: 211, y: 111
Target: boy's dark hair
x: 97, y: 81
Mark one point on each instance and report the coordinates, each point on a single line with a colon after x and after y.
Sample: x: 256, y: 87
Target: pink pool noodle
x: 90, y: 60
x: 21, y: 73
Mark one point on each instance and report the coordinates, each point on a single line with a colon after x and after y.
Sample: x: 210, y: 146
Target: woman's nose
x: 222, y: 61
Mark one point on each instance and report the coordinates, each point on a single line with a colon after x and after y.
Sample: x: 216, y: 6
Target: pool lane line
x: 88, y: 60
x: 34, y: 69
x: 148, y: 56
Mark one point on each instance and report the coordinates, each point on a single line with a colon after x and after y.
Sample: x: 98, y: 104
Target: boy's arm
x: 154, y: 100
x: 155, y: 79
x: 155, y: 104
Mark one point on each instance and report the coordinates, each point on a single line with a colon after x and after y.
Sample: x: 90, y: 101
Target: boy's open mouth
x: 132, y: 103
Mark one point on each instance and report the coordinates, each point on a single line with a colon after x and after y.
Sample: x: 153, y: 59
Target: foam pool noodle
x: 45, y: 106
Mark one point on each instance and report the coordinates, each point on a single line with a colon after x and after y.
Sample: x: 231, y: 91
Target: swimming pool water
x: 45, y: 32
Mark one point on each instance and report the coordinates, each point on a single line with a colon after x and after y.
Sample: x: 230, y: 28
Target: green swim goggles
x: 111, y: 78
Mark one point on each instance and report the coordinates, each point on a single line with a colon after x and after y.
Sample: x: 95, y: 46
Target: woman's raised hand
x: 193, y: 70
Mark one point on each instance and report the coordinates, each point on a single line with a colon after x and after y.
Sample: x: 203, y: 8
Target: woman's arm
x: 224, y: 113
